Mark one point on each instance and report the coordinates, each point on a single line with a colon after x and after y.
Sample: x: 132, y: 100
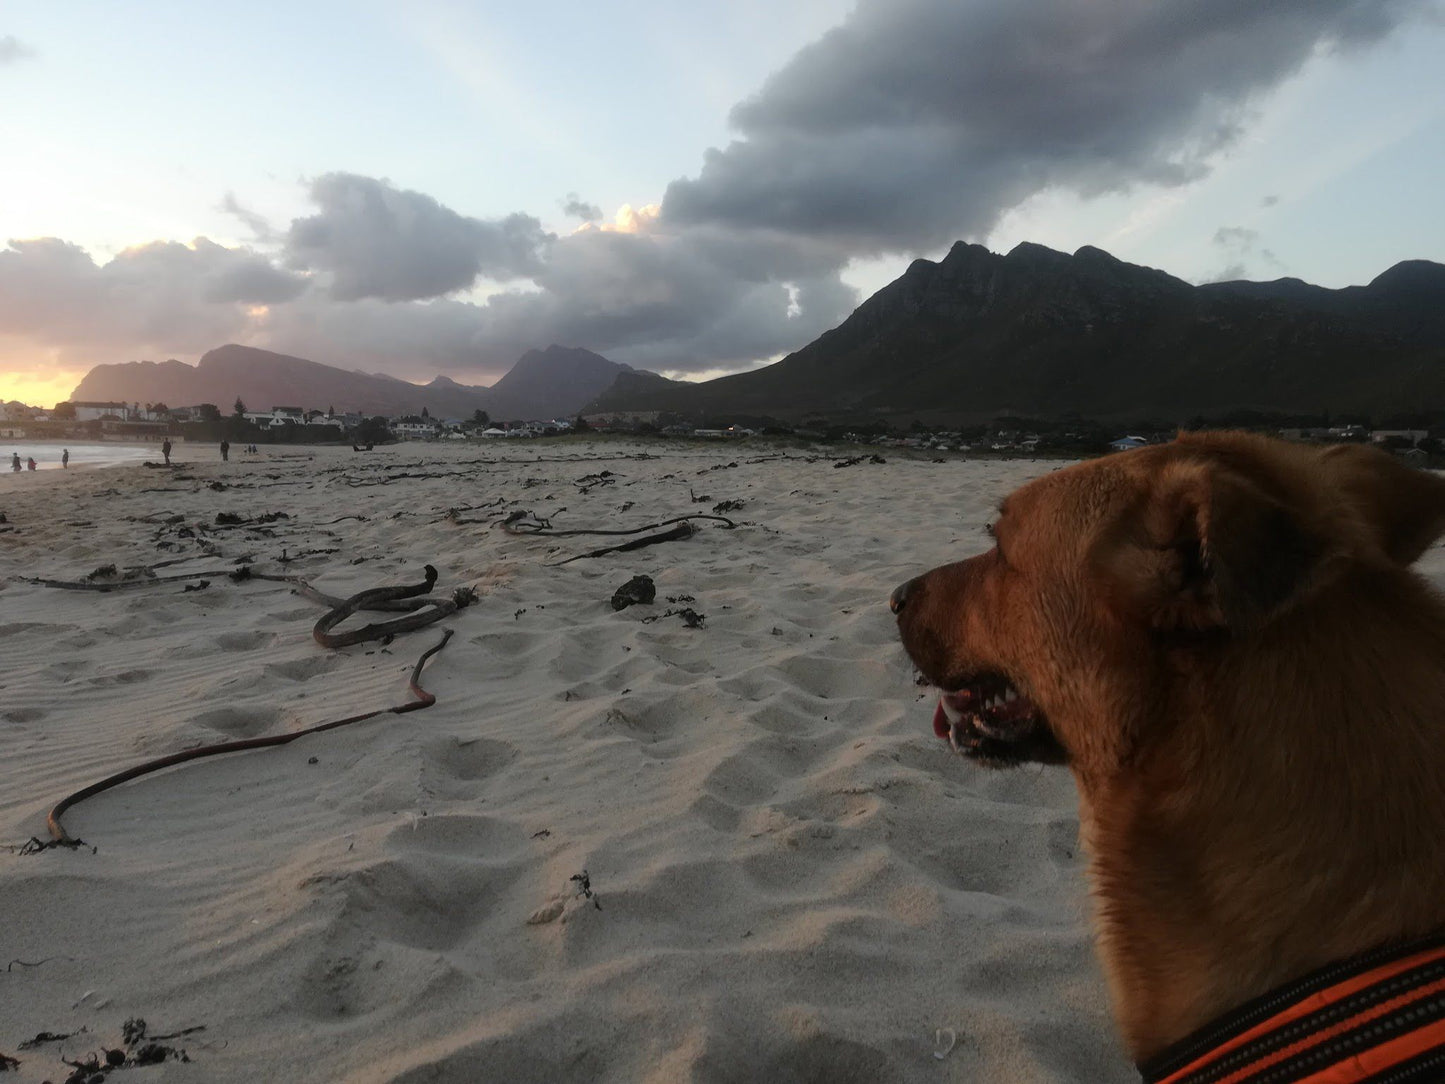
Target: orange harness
x: 1376, y: 1019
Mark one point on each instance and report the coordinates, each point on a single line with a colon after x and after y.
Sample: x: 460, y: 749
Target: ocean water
x: 114, y: 453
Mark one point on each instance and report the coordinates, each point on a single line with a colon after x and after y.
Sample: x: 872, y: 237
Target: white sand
x: 797, y: 880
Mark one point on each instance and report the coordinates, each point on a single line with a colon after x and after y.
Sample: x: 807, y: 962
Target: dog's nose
x: 899, y: 598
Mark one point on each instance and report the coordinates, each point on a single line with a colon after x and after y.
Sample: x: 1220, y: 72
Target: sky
x: 436, y: 187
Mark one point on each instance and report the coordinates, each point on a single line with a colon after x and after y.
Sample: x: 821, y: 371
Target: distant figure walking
x: 225, y: 451
x: 65, y: 459
x: 30, y: 463
x: 15, y: 462
x: 166, y: 450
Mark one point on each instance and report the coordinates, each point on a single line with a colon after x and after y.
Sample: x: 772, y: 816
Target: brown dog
x: 1222, y: 638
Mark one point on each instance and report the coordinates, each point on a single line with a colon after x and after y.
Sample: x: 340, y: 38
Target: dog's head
x: 1059, y: 644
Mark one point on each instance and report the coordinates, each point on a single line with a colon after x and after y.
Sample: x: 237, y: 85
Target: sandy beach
x: 792, y: 879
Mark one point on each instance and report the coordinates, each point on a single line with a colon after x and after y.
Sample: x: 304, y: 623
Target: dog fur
x: 1223, y: 640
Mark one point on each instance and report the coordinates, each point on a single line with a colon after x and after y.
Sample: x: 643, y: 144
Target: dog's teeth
x: 991, y: 703
x: 1010, y: 695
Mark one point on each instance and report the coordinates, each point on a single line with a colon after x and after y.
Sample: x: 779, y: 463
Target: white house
x: 277, y: 417
x: 89, y: 412
x: 414, y: 430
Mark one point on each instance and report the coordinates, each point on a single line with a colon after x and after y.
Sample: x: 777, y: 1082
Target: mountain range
x: 551, y: 383
x: 976, y: 335
x: 1044, y: 334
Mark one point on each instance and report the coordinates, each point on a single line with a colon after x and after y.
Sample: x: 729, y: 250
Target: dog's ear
x: 1402, y: 508
x: 1211, y: 549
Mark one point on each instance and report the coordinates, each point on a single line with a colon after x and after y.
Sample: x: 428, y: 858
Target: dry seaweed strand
x: 120, y: 585
x: 61, y: 838
x: 681, y: 531
x: 377, y: 598
x: 513, y: 525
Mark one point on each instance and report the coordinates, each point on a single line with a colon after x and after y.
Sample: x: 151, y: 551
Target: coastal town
x: 118, y: 421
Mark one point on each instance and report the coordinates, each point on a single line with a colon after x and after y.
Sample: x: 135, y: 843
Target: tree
x: 239, y: 408
x: 331, y: 412
x: 580, y: 425
x: 481, y: 418
x: 64, y: 411
x: 159, y: 408
x: 424, y: 414
x: 209, y: 412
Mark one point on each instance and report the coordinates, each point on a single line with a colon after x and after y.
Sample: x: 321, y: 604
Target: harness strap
x: 1376, y: 1019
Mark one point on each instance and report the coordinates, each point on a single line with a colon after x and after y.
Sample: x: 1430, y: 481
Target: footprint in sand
x: 123, y: 677
x: 20, y: 628
x: 239, y: 722
x: 442, y: 877
x: 716, y: 813
x: 243, y: 641
x: 838, y: 678
x: 664, y: 727
x: 304, y: 669
x: 455, y: 767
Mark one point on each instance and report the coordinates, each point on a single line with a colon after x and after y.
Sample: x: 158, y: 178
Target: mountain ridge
x: 1043, y: 333
x: 555, y: 382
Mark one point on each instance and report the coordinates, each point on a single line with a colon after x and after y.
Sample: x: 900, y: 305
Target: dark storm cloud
x: 672, y: 302
x: 692, y: 299
x: 574, y: 206
x: 12, y: 49
x: 919, y: 121
x: 375, y: 240
x: 252, y: 280
x: 695, y: 297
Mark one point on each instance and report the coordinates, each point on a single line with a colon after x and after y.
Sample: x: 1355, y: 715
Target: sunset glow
x: 39, y: 389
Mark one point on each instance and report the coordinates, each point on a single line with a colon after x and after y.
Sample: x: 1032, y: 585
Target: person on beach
x: 166, y: 450
x: 225, y: 451
x: 15, y: 462
x: 30, y: 462
x: 65, y: 459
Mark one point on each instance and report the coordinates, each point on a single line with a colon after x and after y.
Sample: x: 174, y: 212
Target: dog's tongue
x: 940, y: 721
